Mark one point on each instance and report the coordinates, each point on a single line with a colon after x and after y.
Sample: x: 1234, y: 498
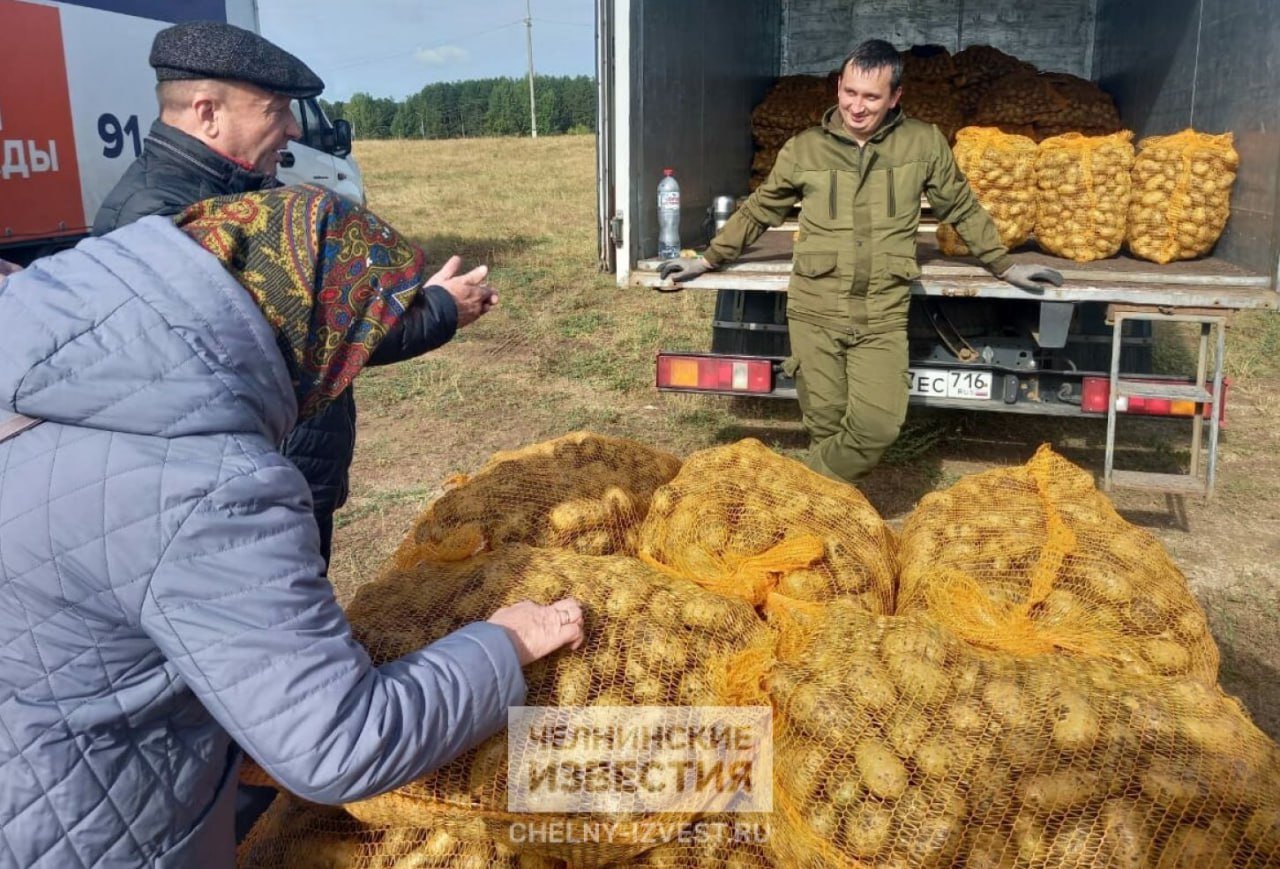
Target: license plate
x: 951, y: 383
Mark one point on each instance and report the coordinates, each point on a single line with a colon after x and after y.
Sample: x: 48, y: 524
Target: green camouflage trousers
x: 853, y: 392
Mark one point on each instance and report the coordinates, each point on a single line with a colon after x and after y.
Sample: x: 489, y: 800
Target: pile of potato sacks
x: 978, y: 86
x: 1019, y: 679
x: 1045, y: 154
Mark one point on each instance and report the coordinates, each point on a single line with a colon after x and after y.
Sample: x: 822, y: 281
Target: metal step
x: 1171, y: 391
x: 1177, y: 483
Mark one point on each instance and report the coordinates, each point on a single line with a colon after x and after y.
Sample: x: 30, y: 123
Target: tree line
x: 479, y: 107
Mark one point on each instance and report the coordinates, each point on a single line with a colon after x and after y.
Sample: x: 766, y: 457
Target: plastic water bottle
x: 668, y: 216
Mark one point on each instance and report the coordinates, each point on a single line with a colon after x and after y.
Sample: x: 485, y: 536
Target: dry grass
x: 567, y: 350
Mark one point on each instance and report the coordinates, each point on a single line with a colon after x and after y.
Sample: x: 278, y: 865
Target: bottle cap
x: 668, y: 171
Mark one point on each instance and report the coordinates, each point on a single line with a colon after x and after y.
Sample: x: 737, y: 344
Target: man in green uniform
x: 860, y: 175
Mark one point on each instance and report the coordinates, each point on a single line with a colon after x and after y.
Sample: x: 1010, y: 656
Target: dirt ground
x: 568, y: 350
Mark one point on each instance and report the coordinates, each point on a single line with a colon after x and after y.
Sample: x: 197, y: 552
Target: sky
x: 392, y: 48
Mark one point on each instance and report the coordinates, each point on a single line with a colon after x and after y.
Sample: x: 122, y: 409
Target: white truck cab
x: 323, y: 154
x: 77, y: 97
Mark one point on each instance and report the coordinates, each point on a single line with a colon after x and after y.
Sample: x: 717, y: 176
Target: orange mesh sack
x: 293, y: 834
x: 650, y: 640
x: 1002, y: 172
x: 1083, y: 203
x: 747, y: 522
x: 1034, y: 560
x: 582, y: 491
x: 1181, y: 195
x: 897, y: 743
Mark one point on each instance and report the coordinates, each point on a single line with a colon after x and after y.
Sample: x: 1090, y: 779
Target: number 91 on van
x: 951, y: 383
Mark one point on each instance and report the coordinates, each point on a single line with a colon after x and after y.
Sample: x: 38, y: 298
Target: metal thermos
x: 721, y: 208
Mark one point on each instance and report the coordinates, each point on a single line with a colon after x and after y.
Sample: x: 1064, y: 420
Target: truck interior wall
x: 698, y: 69
x: 1211, y: 65
x: 1052, y: 34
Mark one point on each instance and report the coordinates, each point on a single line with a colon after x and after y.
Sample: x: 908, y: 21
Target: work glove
x: 683, y: 269
x: 1031, y: 278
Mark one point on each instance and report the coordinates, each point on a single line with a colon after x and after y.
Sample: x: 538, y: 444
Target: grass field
x: 569, y: 350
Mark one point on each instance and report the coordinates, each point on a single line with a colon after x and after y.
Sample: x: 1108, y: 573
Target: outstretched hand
x: 473, y: 296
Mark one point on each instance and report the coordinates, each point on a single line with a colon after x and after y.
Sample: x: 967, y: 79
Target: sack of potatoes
x: 749, y: 523
x: 1181, y: 194
x: 1033, y: 559
x: 898, y: 743
x: 650, y: 640
x: 1001, y: 169
x: 1082, y: 209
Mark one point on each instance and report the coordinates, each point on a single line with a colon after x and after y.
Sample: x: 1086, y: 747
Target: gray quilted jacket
x: 161, y: 588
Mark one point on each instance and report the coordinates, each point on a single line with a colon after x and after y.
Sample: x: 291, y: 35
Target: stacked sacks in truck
x: 977, y: 68
x: 1085, y: 108
x: 1018, y: 98
x: 793, y: 104
x: 1083, y: 202
x: 1001, y: 170
x: 928, y: 92
x: 1181, y: 194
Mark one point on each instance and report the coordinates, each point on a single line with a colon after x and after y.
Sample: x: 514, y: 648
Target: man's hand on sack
x: 686, y: 268
x: 1031, y: 278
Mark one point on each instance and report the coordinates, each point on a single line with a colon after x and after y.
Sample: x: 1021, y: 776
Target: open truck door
x: 609, y: 219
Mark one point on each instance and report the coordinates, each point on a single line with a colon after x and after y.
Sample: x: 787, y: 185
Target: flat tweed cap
x: 211, y: 49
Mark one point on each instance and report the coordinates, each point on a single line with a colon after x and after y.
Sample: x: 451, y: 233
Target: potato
x: 930, y: 828
x: 937, y: 756
x: 881, y: 771
x: 1167, y: 656
x: 1076, y: 727
x: 866, y: 829
x: 1126, y: 837
x: 918, y: 681
x: 1176, y: 789
x: 1057, y: 791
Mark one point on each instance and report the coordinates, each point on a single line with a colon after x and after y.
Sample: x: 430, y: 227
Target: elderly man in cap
x: 225, y: 96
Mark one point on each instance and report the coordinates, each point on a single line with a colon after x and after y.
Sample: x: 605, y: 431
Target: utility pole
x: 533, y: 104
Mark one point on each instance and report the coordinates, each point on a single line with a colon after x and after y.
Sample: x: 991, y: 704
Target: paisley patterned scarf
x: 330, y: 277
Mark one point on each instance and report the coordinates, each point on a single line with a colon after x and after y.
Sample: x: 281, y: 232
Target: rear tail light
x: 1096, y: 391
x: 714, y: 373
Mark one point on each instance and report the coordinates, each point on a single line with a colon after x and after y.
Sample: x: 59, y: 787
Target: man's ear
x: 897, y: 95
x: 205, y: 109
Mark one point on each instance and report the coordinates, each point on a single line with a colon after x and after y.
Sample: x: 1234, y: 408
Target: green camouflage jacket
x: 855, y: 256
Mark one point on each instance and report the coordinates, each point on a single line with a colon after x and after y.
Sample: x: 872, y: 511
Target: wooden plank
x: 1184, y: 484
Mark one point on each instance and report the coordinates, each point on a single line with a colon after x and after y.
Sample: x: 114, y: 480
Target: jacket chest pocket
x: 897, y: 190
x: 828, y: 197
